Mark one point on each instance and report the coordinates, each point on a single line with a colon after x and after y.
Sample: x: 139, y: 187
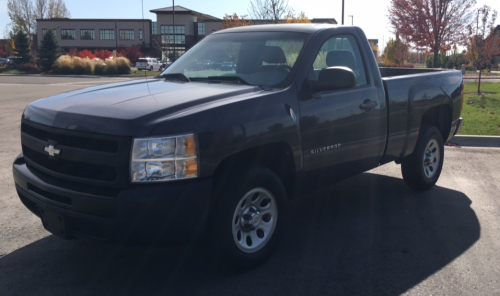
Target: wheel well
x: 439, y: 117
x: 277, y: 157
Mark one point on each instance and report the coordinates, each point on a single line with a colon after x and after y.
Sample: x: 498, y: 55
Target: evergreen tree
x: 49, y: 50
x: 22, y: 48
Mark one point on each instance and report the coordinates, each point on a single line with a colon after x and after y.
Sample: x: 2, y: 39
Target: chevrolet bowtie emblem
x: 50, y: 149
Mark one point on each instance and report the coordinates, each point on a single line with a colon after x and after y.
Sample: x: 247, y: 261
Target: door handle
x: 368, y: 105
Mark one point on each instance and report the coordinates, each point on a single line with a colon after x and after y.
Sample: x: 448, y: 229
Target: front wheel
x: 422, y: 168
x: 248, y: 218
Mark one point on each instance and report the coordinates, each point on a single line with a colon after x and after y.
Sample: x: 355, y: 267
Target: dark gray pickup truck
x: 210, y: 150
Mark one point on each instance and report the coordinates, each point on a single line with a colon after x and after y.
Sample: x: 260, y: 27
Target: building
x: 96, y: 33
x: 175, y: 30
x: 181, y: 28
x: 190, y: 27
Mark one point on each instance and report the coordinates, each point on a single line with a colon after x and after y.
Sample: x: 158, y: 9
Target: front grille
x: 76, y: 169
x: 71, y: 141
x: 84, y: 158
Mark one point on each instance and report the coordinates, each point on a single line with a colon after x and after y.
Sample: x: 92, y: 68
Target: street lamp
x: 352, y: 19
x: 342, y: 12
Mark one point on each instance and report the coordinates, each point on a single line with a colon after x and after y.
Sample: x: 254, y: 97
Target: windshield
x: 254, y: 58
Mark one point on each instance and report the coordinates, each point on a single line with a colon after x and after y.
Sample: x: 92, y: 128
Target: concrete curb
x: 476, y: 141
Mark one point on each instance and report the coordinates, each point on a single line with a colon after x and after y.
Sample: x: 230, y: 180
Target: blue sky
x: 370, y: 15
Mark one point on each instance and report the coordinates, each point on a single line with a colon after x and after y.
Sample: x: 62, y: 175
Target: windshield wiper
x: 228, y: 78
x: 175, y: 76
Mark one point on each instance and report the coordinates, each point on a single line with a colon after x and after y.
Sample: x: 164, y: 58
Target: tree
x: 290, y: 18
x: 22, y: 16
x: 57, y: 9
x: 396, y: 52
x: 22, y: 48
x: 433, y: 24
x: 231, y: 21
x: 484, y: 44
x: 23, y: 13
x: 49, y: 50
x: 272, y: 10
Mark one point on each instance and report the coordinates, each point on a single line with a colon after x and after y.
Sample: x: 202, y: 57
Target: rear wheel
x: 422, y: 168
x: 248, y: 218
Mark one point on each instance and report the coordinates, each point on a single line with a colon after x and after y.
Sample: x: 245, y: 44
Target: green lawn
x: 481, y: 113
x: 5, y: 70
x: 141, y: 73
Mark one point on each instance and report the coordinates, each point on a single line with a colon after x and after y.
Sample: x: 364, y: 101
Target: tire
x: 422, y: 168
x: 151, y: 68
x: 248, y: 218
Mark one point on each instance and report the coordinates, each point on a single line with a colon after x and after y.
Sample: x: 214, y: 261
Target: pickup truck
x: 219, y: 153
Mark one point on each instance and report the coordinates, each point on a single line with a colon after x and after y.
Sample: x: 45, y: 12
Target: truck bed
x: 390, y: 72
x: 409, y: 93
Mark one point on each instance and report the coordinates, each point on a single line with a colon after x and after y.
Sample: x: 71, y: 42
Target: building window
x: 201, y: 28
x: 68, y: 34
x: 169, y: 35
x: 140, y: 34
x: 44, y: 31
x: 154, y: 28
x: 107, y: 34
x: 86, y: 34
x: 127, y: 35
x: 171, y: 54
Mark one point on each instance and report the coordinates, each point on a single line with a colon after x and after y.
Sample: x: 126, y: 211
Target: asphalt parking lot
x: 368, y: 235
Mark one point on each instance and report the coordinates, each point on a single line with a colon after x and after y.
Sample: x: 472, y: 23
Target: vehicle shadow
x: 367, y: 235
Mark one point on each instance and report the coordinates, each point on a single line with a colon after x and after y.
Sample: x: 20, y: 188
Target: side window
x: 343, y: 51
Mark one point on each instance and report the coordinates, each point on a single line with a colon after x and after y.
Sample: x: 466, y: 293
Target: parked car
x: 151, y: 64
x: 3, y: 61
x: 189, y: 153
x: 227, y: 66
x: 165, y: 63
x: 12, y: 59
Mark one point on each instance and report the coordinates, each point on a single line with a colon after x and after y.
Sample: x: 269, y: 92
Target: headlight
x: 163, y: 159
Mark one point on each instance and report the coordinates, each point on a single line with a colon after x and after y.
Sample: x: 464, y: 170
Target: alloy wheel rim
x: 432, y: 155
x: 254, y: 220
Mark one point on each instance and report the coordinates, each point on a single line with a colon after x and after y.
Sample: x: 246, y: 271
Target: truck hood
x: 130, y: 108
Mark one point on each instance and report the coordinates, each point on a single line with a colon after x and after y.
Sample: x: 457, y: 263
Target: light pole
x: 173, y: 25
x: 342, y: 12
x: 352, y: 19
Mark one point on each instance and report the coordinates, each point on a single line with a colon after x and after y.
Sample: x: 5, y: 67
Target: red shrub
x: 103, y: 54
x: 132, y: 53
x: 73, y: 52
x: 86, y: 54
x: 2, y: 51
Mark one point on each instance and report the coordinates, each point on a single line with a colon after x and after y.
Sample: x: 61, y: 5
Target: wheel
x: 422, y: 168
x: 151, y: 68
x: 248, y: 218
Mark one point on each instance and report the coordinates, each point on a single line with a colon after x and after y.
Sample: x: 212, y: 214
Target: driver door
x: 342, y: 131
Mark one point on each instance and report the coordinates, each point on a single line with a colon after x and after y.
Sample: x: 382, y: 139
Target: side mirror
x: 333, y: 78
